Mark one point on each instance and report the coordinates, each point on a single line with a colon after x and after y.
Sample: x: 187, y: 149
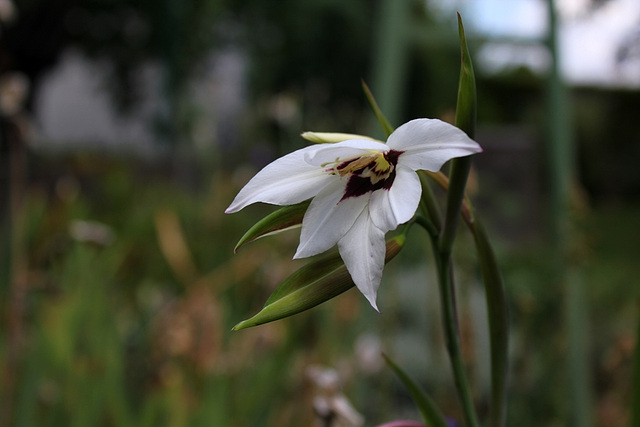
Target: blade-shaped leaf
x: 465, y: 120
x: 283, y: 219
x: 386, y: 126
x: 430, y: 412
x: 497, y: 310
x: 494, y: 287
x: 466, y: 106
x: 318, y: 281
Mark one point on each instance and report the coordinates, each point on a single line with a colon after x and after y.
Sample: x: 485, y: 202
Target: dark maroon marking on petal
x: 358, y: 186
x: 392, y: 156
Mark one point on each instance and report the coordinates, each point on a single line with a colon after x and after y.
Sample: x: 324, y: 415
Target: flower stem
x: 455, y: 195
x: 452, y: 338
x: 449, y: 311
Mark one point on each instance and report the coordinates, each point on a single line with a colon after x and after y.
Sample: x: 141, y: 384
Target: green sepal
x: 323, y: 278
x: 428, y: 409
x: 281, y: 220
x: 386, y: 126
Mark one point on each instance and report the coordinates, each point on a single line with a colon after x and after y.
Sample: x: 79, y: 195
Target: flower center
x: 366, y: 173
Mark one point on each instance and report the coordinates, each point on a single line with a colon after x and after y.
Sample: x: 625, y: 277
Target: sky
x: 589, y: 41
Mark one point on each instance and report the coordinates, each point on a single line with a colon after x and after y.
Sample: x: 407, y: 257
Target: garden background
x: 128, y: 127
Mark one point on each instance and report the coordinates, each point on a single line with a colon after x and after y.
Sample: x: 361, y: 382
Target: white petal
x: 388, y: 208
x: 328, y: 219
x: 429, y: 143
x: 326, y: 153
x: 285, y: 181
x: 363, y: 250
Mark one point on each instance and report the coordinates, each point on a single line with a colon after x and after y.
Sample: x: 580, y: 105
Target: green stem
x: 449, y: 313
x: 450, y: 324
x: 455, y: 195
x: 452, y: 338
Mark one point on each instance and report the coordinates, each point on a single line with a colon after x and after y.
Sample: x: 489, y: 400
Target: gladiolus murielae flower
x: 361, y: 189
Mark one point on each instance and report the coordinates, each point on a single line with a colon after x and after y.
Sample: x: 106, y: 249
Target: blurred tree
x: 32, y: 38
x: 124, y: 33
x: 319, y: 49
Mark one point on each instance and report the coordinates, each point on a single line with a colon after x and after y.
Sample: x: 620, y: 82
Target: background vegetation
x: 118, y: 283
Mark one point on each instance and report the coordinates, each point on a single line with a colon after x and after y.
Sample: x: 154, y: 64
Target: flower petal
x: 327, y: 153
x: 328, y: 219
x: 363, y: 249
x: 389, y: 208
x: 285, y: 181
x: 429, y: 143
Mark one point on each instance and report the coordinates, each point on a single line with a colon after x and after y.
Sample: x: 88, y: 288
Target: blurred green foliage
x: 134, y: 328
x: 130, y: 331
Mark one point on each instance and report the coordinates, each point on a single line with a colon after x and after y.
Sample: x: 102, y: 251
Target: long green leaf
x: 465, y: 120
x: 497, y: 310
x: 494, y: 286
x: 467, y: 103
x: 430, y: 412
x: 386, y: 126
x: 283, y: 219
x: 320, y: 280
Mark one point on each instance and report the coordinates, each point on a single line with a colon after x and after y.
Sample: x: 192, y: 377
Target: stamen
x: 374, y: 165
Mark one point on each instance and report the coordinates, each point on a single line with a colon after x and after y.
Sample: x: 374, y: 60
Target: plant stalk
x: 452, y: 336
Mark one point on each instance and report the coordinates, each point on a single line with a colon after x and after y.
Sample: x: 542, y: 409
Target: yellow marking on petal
x: 382, y: 164
x: 355, y: 165
x: 373, y: 165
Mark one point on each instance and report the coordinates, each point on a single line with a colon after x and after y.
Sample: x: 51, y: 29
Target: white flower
x: 360, y: 188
